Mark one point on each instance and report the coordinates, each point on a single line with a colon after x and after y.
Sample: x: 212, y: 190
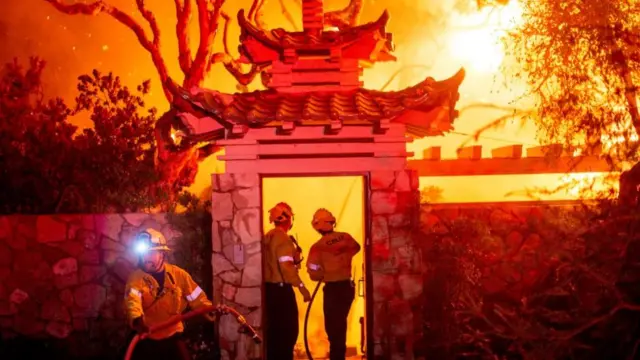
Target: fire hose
x: 217, y: 309
x: 306, y: 319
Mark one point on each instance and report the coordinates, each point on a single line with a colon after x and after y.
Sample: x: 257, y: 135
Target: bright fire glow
x: 475, y: 37
x: 344, y: 197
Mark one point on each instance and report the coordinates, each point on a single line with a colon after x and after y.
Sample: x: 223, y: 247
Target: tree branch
x: 287, y: 15
x: 232, y: 65
x: 208, y: 28
x: 98, y: 7
x: 183, y: 16
x: 147, y: 15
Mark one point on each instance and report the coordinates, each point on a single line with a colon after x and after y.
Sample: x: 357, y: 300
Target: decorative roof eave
x: 277, y: 39
x: 427, y: 108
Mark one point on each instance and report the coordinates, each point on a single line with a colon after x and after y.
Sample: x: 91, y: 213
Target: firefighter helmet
x: 151, y: 239
x: 280, y: 212
x: 323, y: 220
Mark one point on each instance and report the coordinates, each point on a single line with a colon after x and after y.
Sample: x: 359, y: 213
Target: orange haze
x: 433, y: 37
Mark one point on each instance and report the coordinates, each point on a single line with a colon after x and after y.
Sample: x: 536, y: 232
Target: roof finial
x: 312, y: 16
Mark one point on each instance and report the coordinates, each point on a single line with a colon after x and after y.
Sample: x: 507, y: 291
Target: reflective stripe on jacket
x: 142, y: 298
x: 279, y: 256
x: 330, y: 257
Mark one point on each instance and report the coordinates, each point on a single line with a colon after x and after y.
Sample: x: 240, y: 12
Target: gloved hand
x: 211, y: 316
x: 139, y: 326
x: 306, y: 296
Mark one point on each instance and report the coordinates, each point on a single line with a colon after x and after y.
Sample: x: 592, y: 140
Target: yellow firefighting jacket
x: 279, y: 256
x: 142, y: 298
x: 330, y: 257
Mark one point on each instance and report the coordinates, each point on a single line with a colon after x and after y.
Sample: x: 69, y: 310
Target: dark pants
x: 282, y: 321
x: 171, y: 348
x: 338, y: 297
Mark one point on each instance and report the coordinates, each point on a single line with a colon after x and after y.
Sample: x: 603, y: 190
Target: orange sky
x: 441, y: 35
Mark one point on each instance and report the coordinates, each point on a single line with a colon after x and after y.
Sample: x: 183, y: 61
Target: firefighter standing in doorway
x: 330, y: 261
x: 281, y: 257
x: 156, y: 292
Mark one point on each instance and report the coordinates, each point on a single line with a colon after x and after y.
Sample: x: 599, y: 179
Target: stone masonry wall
x: 62, y: 278
x: 396, y: 265
x: 237, y: 258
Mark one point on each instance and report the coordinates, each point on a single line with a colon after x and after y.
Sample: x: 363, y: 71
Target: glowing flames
x: 475, y: 37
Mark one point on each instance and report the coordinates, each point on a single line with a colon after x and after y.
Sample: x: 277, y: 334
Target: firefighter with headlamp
x: 281, y: 254
x: 330, y: 261
x: 156, y: 292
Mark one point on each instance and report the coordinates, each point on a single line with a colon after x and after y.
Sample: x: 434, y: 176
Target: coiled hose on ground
x: 217, y: 309
x: 306, y: 320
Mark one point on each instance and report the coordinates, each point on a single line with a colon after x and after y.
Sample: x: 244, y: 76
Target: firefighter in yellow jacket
x: 154, y: 293
x: 281, y: 257
x: 330, y: 261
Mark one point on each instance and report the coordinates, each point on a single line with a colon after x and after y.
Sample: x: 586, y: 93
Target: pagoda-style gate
x: 316, y: 119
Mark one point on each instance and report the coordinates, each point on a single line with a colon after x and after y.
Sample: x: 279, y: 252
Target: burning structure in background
x: 432, y: 36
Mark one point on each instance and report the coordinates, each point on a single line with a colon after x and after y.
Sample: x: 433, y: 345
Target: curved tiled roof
x: 280, y: 39
x: 360, y: 106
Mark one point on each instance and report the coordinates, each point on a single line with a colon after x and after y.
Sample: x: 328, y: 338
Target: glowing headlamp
x: 143, y: 243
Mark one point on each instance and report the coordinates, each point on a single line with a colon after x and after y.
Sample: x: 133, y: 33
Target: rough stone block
x: 50, y: 230
x: 5, y: 272
x: 110, y: 257
x: 55, y: 310
x: 90, y: 257
x: 22, y: 234
x: 232, y: 277
x: 382, y: 180
x: 66, y: 296
x: 411, y: 286
x: 135, y: 219
x: 228, y: 237
x: 229, y: 291
x: 18, y: 296
x: 403, y: 181
x: 66, y: 281
x: 249, y: 297
x: 90, y: 296
x: 252, y: 273
x: 7, y: 308
x: 399, y: 220
x: 221, y: 206
x: 108, y: 244
x: 403, y: 319
x: 109, y: 226
x: 220, y: 263
x: 246, y: 224
x: 5, y: 228
x: 400, y: 237
x: 28, y: 325
x: 59, y: 330
x: 246, y: 180
x: 222, y: 182
x: 384, y: 287
x: 71, y: 248
x: 246, y: 198
x: 91, y: 272
x: 6, y: 255
x: 229, y: 328
x: 383, y: 202
x: 379, y: 230
x: 65, y: 266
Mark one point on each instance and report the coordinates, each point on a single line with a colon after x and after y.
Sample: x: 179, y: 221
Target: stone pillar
x: 396, y: 264
x: 237, y: 259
